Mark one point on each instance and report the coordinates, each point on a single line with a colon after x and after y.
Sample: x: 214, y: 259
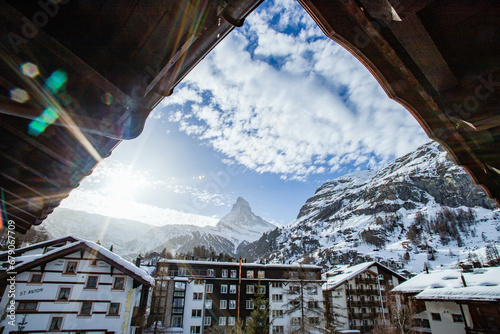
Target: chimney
x: 138, y: 261
x: 463, y: 280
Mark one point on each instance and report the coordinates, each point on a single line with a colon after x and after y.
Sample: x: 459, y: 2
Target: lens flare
x: 19, y: 95
x: 30, y: 70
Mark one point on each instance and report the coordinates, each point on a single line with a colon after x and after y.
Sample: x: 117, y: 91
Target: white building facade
x: 73, y: 286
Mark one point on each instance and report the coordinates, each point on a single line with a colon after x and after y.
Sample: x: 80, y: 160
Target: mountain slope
x: 131, y: 238
x: 419, y: 208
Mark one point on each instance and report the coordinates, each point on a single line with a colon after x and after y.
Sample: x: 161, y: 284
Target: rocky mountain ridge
x: 131, y: 238
x: 420, y: 209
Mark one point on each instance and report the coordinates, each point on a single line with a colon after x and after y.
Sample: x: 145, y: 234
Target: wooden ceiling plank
x: 405, y: 8
x: 45, y: 41
x: 412, y: 34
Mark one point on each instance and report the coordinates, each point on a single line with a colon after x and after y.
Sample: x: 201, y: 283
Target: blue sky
x: 273, y: 112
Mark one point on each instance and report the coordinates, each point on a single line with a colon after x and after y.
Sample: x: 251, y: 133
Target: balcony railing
x: 366, y: 303
x: 365, y: 280
x: 369, y: 315
x: 362, y: 291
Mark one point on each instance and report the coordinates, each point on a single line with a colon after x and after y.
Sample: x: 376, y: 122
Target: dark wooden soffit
x: 438, y: 59
x: 79, y: 76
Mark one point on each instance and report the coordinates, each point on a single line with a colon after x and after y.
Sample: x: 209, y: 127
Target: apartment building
x: 356, y: 296
x: 71, y: 285
x: 195, y: 296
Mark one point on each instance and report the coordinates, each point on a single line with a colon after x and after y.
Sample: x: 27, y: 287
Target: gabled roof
x: 481, y: 284
x: 336, y: 277
x: 48, y: 243
x: 24, y: 263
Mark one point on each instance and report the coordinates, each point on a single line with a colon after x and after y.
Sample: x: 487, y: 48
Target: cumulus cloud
x: 278, y: 96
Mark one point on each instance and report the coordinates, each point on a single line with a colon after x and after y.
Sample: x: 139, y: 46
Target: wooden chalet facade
x: 69, y: 285
x: 356, y: 296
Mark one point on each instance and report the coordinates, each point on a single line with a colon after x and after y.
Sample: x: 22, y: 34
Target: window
x: 86, y: 308
x: 197, y: 295
x: 295, y: 321
x: 198, y: 281
x: 261, y: 274
x: 232, y: 304
x: 178, y: 302
x: 436, y: 316
x: 277, y: 297
x: 277, y: 284
x: 457, y: 318
x: 262, y: 289
x: 233, y: 273
x: 249, y: 305
x: 55, y: 324
x: 211, y: 272
x: 209, y: 288
x: 208, y: 304
x: 250, y: 288
x: 312, y: 290
x: 27, y: 306
x: 380, y: 277
x: 207, y: 321
x: 224, y: 272
x: 232, y: 288
x: 294, y: 274
x: 311, y: 275
x: 119, y: 283
x: 195, y: 330
x: 314, y: 321
x: 249, y: 273
x: 277, y: 313
x: 114, y: 309
x: 222, y: 321
x: 91, y: 282
x: 231, y: 321
x: 182, y: 271
x: 278, y: 329
x: 313, y: 304
x: 223, y: 288
x: 71, y: 267
x: 63, y: 294
x: 223, y: 304
x: 36, y: 278
x: 177, y: 321
x: 196, y: 313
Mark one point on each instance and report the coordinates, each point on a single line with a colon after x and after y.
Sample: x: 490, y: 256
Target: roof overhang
x: 77, y: 77
x: 438, y: 59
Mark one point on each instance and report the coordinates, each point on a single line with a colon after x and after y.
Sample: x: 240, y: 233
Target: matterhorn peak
x: 242, y: 217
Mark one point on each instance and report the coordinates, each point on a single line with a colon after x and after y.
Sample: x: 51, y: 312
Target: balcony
x: 362, y: 291
x: 360, y: 280
x: 365, y: 303
x: 360, y: 316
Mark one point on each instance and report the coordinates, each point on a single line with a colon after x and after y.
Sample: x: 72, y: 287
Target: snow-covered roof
x: 335, y: 277
x: 481, y: 284
x: 23, y: 262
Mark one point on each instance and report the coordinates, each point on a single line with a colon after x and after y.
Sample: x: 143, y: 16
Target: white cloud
x: 282, y: 98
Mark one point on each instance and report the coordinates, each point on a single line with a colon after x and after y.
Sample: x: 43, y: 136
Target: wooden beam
x: 412, y: 34
x: 408, y: 7
x: 380, y: 9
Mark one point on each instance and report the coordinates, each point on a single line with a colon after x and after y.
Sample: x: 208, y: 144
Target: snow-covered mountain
x: 130, y: 238
x: 420, y: 208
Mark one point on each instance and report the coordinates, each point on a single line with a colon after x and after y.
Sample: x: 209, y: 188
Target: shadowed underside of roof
x: 79, y: 76
x: 439, y: 59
